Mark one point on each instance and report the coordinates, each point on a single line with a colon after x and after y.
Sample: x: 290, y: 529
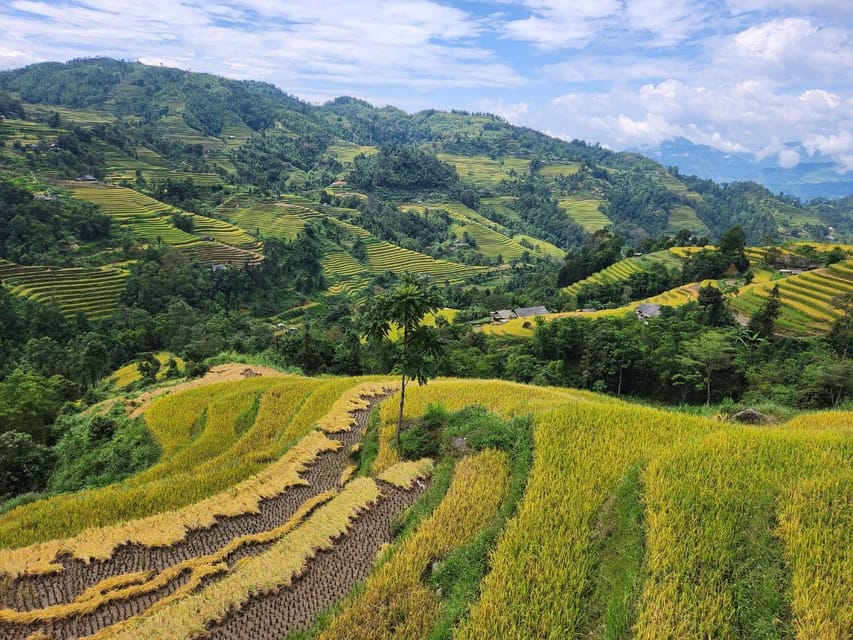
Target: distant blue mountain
x: 814, y: 177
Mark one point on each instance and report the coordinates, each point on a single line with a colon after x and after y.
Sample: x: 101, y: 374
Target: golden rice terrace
x: 264, y: 512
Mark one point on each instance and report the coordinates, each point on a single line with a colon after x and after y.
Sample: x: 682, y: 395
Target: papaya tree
x: 397, y: 316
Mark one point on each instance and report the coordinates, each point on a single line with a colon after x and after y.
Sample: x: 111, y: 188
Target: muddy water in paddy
x: 36, y: 592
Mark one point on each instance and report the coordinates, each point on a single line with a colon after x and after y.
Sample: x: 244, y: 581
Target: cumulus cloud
x: 738, y: 75
x: 790, y: 51
x: 788, y: 158
x: 417, y: 43
x: 746, y: 117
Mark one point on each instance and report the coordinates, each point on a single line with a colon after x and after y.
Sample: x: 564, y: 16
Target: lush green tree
x: 148, y: 367
x: 403, y: 308
x: 841, y: 329
x: 762, y: 321
x: 24, y: 464
x: 713, y: 309
x: 710, y: 353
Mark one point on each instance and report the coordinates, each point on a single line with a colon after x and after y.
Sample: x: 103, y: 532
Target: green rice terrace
x: 619, y: 271
x: 486, y: 171
x: 94, y: 292
x: 585, y: 212
x: 805, y: 297
x: 492, y: 239
x: 384, y: 256
x: 212, y: 241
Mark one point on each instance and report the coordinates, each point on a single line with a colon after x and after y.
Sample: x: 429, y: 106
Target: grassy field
x: 585, y: 212
x: 94, y: 292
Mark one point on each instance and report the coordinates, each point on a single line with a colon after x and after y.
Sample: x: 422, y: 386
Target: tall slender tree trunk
x: 619, y: 386
x: 708, y: 388
x: 400, y: 414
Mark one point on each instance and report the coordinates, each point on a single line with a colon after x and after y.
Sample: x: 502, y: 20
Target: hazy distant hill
x: 815, y: 176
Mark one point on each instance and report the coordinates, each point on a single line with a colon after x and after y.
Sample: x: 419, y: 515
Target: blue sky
x: 739, y: 75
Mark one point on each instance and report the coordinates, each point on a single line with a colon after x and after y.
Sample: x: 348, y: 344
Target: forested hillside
x: 150, y: 215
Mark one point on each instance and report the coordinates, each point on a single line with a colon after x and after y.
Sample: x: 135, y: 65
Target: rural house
x: 648, y: 310
x: 529, y: 312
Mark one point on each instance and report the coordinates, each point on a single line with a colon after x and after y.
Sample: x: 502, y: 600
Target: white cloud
x: 417, y: 43
x: 553, y: 24
x: 790, y: 51
x: 747, y: 117
x: 788, y: 158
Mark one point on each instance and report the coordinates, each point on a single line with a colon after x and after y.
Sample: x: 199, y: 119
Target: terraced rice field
x: 345, y: 152
x: 224, y: 232
x: 342, y: 264
x: 27, y: 132
x: 84, y: 117
x: 524, y: 327
x: 153, y: 167
x: 632, y: 522
x: 218, y: 253
x: 585, y: 212
x: 383, y: 256
x: 725, y: 536
x: 150, y: 219
x: 95, y: 292
x: 146, y: 217
x: 621, y: 270
x: 554, y: 170
x: 683, y: 217
x: 269, y: 219
x: 347, y: 274
x: 129, y: 374
x: 243, y: 548
x: 805, y: 298
x: 492, y: 239
x: 501, y: 204
x: 540, y: 247
x: 485, y: 171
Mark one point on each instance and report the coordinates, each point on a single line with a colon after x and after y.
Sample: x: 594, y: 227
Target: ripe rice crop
x: 129, y: 374
x: 287, y: 412
x: 805, y: 298
x: 277, y: 567
x: 715, y: 569
x: 395, y: 603
x: 740, y: 531
x: 831, y: 420
x: 816, y: 524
